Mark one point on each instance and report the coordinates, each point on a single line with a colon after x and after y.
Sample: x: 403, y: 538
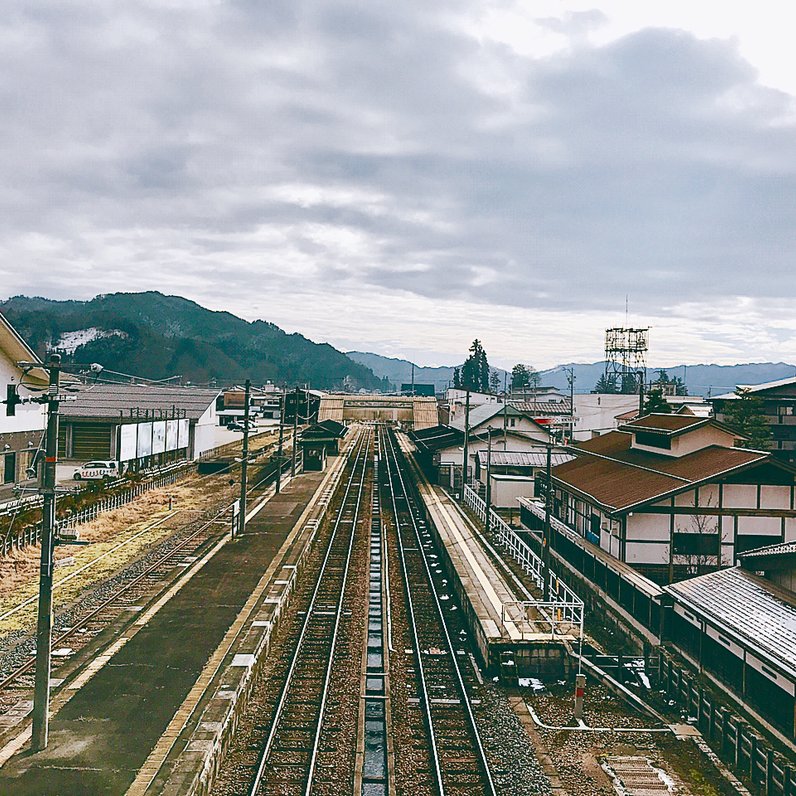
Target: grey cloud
x: 175, y: 138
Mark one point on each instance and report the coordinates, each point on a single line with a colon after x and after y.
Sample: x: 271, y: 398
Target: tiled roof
x: 115, y: 400
x: 664, y: 422
x: 523, y: 458
x: 618, y: 477
x: 750, y: 607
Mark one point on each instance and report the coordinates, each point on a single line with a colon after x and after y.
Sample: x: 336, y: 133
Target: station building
x: 672, y: 496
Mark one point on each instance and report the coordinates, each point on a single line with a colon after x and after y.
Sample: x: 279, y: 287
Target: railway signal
x: 12, y: 399
x: 41, y: 693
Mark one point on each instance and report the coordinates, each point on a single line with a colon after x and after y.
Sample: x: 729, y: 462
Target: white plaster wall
x: 790, y: 529
x: 775, y: 497
x: 740, y: 496
x: 647, y: 553
x: 29, y: 417
x: 648, y: 526
x: 759, y: 525
x: 597, y: 413
x: 686, y: 443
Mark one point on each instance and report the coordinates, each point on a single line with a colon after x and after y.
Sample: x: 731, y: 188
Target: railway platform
x: 138, y: 718
x: 503, y: 621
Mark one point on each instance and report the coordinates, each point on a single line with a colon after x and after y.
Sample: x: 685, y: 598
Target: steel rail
x: 465, y: 701
x: 19, y: 671
x: 360, y: 459
x: 58, y: 639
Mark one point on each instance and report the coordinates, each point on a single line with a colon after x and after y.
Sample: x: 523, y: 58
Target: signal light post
x: 41, y: 693
x: 244, y: 465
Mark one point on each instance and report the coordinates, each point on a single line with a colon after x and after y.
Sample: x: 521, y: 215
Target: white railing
x: 563, y: 609
x: 548, y: 617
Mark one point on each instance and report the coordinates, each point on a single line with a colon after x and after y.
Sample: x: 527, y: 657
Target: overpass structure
x: 413, y: 412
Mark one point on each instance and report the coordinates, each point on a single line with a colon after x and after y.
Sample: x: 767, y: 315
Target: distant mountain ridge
x: 399, y: 371
x: 700, y: 379
x: 157, y: 336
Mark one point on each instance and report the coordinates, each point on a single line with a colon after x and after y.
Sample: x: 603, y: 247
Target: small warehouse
x: 139, y: 424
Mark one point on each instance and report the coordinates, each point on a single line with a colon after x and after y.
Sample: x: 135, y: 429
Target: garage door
x: 91, y: 442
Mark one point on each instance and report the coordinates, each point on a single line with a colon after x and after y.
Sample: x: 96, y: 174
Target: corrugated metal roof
x: 524, y: 458
x: 772, y: 551
x: 541, y: 408
x: 749, y: 607
x: 113, y: 400
x: 436, y: 438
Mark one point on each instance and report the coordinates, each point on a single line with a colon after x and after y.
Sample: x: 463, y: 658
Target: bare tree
x: 702, y: 552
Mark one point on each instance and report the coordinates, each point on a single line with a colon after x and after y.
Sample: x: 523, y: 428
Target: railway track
x: 288, y: 759
x: 130, y: 596
x: 458, y: 764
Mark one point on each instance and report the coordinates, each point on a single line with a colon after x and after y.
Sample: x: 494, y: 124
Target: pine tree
x: 606, y: 385
x: 494, y: 382
x: 655, y: 402
x: 519, y: 377
x: 745, y: 415
x: 457, y: 379
x: 475, y: 370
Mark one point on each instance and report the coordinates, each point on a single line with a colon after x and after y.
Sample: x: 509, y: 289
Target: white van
x: 97, y: 470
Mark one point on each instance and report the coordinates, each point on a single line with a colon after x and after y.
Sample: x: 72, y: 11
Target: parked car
x: 97, y: 470
x: 240, y: 426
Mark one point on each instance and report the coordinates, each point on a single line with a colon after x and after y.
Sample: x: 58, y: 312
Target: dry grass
x: 147, y: 515
x: 142, y: 521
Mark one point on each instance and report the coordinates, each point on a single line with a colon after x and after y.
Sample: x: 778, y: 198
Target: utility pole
x: 41, y: 693
x: 281, y: 441
x: 640, y: 376
x: 466, y: 439
x: 413, y: 380
x: 244, y: 465
x: 546, y: 536
x: 571, y: 381
x: 295, y: 428
x: 488, y: 496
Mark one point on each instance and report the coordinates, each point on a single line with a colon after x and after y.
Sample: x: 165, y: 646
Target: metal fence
x: 31, y: 534
x: 563, y: 612
x: 735, y: 742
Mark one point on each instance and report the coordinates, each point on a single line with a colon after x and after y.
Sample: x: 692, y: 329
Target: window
x: 696, y: 544
x: 652, y: 440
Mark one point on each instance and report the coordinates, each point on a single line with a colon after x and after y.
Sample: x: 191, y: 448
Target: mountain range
x: 704, y: 380
x: 157, y: 336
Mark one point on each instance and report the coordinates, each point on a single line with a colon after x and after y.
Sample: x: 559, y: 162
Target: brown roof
x: 664, y: 422
x: 617, y: 477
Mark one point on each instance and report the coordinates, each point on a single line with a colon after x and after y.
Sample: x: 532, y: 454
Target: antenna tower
x: 626, y: 357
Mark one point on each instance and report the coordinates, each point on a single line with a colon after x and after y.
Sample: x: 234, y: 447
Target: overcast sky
x: 402, y: 177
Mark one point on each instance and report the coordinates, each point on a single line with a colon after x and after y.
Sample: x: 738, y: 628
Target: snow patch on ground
x: 69, y: 342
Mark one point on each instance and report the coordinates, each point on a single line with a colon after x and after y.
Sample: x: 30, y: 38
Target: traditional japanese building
x: 672, y: 495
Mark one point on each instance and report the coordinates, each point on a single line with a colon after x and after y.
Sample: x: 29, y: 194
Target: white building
x: 22, y: 433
